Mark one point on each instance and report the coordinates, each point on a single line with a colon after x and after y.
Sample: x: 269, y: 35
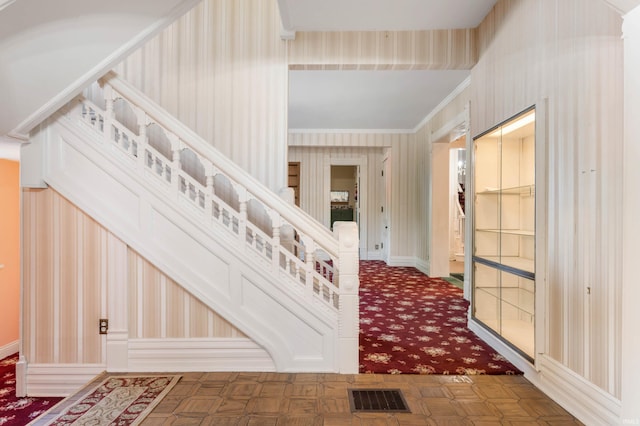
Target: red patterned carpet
x: 413, y: 324
x: 18, y: 411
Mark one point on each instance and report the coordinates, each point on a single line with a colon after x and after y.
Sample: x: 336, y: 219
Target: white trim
x: 101, y: 68
x: 10, y: 148
x: 590, y: 404
x: 402, y: 261
x: 574, y: 393
x: 362, y: 164
x: 374, y: 255
x: 60, y: 379
x: 9, y: 349
x: 351, y: 131
x: 459, y: 120
x: 422, y: 266
x: 503, y: 349
x: 450, y: 97
x: 198, y: 354
x: 6, y: 3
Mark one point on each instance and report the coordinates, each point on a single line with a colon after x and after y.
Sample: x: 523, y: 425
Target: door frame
x: 362, y: 170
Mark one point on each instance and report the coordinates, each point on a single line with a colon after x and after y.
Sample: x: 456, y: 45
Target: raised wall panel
x: 570, y: 52
x: 221, y: 69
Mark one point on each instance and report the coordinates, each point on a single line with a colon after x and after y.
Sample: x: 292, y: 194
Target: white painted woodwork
x: 49, y: 51
x: 221, y: 70
x: 286, y: 299
x: 627, y: 325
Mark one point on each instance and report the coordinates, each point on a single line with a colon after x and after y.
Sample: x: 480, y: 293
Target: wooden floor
x: 321, y: 399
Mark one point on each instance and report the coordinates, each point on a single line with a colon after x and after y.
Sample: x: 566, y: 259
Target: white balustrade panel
x: 306, y: 265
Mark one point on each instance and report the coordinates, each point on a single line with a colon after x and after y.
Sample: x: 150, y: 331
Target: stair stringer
x: 203, y: 259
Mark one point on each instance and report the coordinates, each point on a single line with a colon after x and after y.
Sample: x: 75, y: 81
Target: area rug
x: 413, y: 324
x: 118, y: 400
x: 16, y: 411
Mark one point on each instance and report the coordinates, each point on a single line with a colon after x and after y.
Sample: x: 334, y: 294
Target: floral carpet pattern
x: 18, y: 411
x: 413, y: 324
x: 119, y: 401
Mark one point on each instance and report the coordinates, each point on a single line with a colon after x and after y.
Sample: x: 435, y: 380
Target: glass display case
x: 503, y: 283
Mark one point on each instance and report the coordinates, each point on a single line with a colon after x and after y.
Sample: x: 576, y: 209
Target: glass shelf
x: 515, y: 262
x: 519, y: 298
x: 525, y: 190
x: 522, y: 232
x: 503, y: 274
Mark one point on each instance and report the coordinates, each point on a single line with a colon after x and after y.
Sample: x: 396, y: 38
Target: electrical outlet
x: 377, y: 246
x: 103, y: 326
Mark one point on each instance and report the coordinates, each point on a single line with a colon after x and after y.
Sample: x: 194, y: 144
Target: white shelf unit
x: 503, y: 282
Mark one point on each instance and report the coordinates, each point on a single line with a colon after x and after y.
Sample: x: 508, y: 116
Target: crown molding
x: 351, y: 131
x: 450, y: 97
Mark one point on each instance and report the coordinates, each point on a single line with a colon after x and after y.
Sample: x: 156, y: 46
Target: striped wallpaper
x: 569, y: 52
x: 383, y: 50
x: 221, y: 69
x: 67, y: 278
x: 314, y: 151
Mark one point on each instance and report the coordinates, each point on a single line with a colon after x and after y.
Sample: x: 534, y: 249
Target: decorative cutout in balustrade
x: 303, y: 263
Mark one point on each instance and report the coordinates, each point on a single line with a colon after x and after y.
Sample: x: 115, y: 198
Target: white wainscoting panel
x: 216, y: 354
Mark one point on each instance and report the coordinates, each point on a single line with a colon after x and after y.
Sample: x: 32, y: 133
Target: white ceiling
x: 380, y: 15
x: 396, y: 100
x: 381, y: 100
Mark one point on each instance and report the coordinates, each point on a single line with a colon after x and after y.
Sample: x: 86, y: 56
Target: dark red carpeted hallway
x: 413, y: 324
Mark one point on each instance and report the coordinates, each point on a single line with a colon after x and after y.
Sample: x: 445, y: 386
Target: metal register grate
x: 377, y: 400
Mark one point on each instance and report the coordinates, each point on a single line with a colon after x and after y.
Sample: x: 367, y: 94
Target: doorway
x: 344, y: 194
x: 347, y: 175
x: 457, y: 217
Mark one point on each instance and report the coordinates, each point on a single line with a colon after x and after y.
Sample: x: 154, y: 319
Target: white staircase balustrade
x: 294, y: 254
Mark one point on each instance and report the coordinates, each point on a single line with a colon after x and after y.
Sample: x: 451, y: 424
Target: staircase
x: 257, y: 260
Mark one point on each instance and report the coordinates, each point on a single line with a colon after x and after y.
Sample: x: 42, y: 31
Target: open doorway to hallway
x: 344, y: 194
x: 457, y: 216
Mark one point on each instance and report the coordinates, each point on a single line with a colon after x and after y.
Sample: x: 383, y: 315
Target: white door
x: 385, y: 210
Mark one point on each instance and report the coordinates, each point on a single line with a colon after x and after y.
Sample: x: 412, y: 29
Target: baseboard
x: 9, y: 349
x: 174, y: 355
x: 422, y: 266
x: 374, y: 255
x: 402, y: 261
x: 59, y: 379
x: 585, y: 401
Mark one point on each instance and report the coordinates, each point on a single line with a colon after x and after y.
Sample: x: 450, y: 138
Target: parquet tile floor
x: 278, y: 399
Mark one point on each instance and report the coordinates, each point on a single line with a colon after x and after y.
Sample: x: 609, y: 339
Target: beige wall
x: 9, y: 251
x: 383, y: 50
x: 569, y: 52
x: 65, y: 280
x: 221, y: 69
x: 372, y: 147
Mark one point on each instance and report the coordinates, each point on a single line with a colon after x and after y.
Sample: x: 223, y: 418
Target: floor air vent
x: 377, y: 400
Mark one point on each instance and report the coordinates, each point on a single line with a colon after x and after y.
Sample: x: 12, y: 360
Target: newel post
x: 348, y: 281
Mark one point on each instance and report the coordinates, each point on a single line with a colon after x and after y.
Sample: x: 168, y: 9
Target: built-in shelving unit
x: 503, y: 282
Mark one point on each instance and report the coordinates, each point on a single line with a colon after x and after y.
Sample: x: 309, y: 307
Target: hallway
x: 277, y: 399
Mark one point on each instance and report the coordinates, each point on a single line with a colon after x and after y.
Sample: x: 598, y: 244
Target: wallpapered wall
x: 554, y: 49
x: 65, y: 281
x: 221, y: 69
